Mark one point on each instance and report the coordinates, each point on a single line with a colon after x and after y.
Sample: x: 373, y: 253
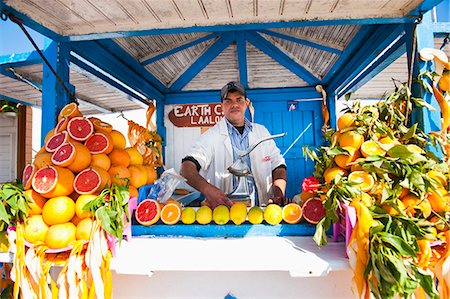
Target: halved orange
x: 362, y: 180
x: 170, y: 214
x: 370, y: 147
x: 292, y: 213
x: 70, y: 110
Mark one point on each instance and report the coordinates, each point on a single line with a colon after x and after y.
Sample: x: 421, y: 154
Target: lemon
x: 204, y: 215
x: 188, y: 215
x: 221, y: 215
x: 255, y: 215
x: 273, y: 214
x: 238, y: 213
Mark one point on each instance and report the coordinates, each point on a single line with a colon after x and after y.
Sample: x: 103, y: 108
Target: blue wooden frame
x: 20, y: 59
x: 10, y: 99
x: 241, y: 44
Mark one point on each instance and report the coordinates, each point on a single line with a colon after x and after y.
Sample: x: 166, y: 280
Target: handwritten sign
x: 196, y: 115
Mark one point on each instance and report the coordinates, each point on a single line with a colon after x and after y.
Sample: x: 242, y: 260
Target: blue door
x: 278, y: 118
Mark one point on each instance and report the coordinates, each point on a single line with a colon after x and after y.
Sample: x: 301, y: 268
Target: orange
x: 82, y: 157
x: 84, y: 228
x: 170, y: 213
x: 439, y: 200
x: 101, y: 161
x: 60, y: 235
x: 332, y: 173
x: 352, y: 139
x: 120, y: 175
x: 35, y: 229
x: 58, y: 210
x: 80, y: 203
x: 135, y: 156
x: 404, y: 192
x: 119, y: 157
x: 370, y: 147
x: 138, y: 175
x: 356, y: 166
x: 346, y: 120
x: 438, y: 177
x: 362, y: 180
x: 152, y: 175
x: 335, y: 138
x: 388, y: 140
x: 342, y: 160
x: 133, y: 191
x: 391, y: 210
x: 292, y: 213
x: 42, y: 160
x: 412, y: 202
x: 100, y: 126
x: 444, y: 81
x: 49, y: 135
x: 36, y: 203
x: 70, y: 110
x: 75, y: 220
x: 305, y: 195
x: 119, y: 140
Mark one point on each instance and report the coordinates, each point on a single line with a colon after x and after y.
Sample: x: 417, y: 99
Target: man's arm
x: 279, y: 185
x: 214, y: 196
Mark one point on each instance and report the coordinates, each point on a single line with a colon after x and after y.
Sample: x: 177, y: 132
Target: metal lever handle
x: 252, y: 147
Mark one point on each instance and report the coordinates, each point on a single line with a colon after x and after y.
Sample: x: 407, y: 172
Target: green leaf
x: 105, y: 221
x: 411, y: 132
x: 426, y: 281
x: 320, y: 236
x: 398, y: 243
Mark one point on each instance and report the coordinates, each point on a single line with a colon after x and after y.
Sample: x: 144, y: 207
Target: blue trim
x: 237, y: 27
x: 397, y: 50
x: 209, y: 55
x: 33, y: 24
x: 54, y: 97
x: 101, y: 76
x: 358, y: 40
x: 281, y: 57
x: 302, y: 41
x: 180, y: 48
x: 439, y: 27
x: 2, y: 96
x: 21, y: 59
x: 424, y: 7
x: 119, y: 53
x: 241, y: 44
x: 161, y: 129
x: 255, y: 95
x: 380, y: 39
x: 96, y: 54
x: 223, y: 231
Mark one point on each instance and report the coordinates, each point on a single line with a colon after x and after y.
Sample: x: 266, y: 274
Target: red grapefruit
x: 80, y: 128
x: 313, y: 210
x: 73, y: 155
x: 91, y: 180
x: 56, y: 141
x: 27, y: 175
x: 148, y: 212
x: 52, y: 181
x: 99, y: 143
x: 64, y: 155
x: 61, y: 125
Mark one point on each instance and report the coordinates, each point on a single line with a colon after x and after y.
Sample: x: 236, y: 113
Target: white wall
x: 8, y: 148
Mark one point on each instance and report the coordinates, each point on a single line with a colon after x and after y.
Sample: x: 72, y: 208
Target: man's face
x: 234, y: 106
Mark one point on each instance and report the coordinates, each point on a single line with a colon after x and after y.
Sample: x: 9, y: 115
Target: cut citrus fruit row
x: 56, y: 141
x: 99, y: 143
x: 170, y: 213
x: 292, y: 213
x: 69, y: 111
x: 313, y: 210
x: 91, y: 180
x: 148, y: 212
x: 53, y: 181
x: 27, y: 175
x: 362, y: 180
x: 80, y: 128
x: 370, y: 147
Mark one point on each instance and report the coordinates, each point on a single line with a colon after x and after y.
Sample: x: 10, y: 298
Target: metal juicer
x: 241, y: 170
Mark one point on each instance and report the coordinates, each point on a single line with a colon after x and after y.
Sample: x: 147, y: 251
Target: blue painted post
x: 331, y: 103
x: 424, y: 38
x: 54, y: 96
x: 161, y: 129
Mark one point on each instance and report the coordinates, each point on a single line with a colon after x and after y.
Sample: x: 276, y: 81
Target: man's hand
x: 215, y: 197
x: 279, y: 200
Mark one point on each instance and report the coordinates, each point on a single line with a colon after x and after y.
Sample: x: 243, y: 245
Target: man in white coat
x: 205, y: 166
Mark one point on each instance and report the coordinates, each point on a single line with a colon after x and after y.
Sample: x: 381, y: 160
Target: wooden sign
x: 196, y: 115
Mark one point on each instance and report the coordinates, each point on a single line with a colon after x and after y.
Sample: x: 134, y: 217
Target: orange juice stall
x: 124, y: 89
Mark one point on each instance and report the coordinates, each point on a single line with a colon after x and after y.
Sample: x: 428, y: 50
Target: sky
x: 13, y: 40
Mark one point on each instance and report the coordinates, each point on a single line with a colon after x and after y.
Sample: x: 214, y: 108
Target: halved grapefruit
x: 91, y: 180
x: 72, y: 155
x: 99, y: 143
x: 313, y: 210
x: 27, y: 175
x: 100, y: 126
x: 61, y: 125
x: 147, y: 212
x: 53, y: 181
x: 80, y: 128
x: 70, y: 110
x: 56, y: 141
x: 64, y: 155
x: 292, y: 213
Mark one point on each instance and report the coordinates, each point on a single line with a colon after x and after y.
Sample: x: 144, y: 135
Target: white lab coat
x: 214, y: 153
